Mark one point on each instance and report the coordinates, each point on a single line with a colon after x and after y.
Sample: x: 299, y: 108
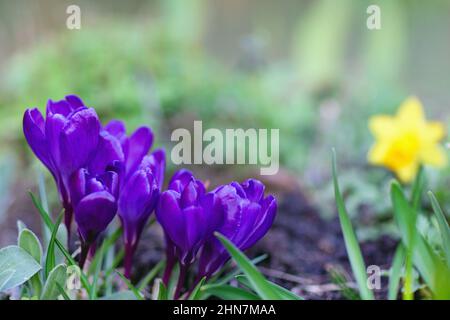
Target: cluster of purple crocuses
x: 100, y: 172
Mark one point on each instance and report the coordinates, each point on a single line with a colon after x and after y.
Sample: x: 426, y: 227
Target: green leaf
x: 418, y: 186
x: 406, y: 218
x: 283, y: 292
x: 50, y: 260
x: 351, y: 242
x: 195, y: 294
x: 5, y: 276
x: 433, y: 270
x: 130, y: 286
x: 227, y: 292
x: 29, y: 242
x: 18, y: 260
x: 162, y: 290
x: 150, y: 275
x: 121, y: 295
x: 56, y: 276
x: 256, y: 279
x: 443, y: 226
x: 395, y: 272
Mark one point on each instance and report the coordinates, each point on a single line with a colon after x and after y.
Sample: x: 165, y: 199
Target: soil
x: 304, y: 248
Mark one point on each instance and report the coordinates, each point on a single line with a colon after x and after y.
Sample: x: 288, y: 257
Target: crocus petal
x: 263, y: 223
x: 213, y: 209
x: 110, y: 180
x: 195, y: 221
x: 157, y: 163
x: 108, y: 151
x: 117, y: 129
x: 53, y: 127
x: 61, y: 107
x: 94, y: 213
x: 137, y: 199
x: 212, y: 257
x: 94, y: 185
x: 249, y: 215
x: 74, y: 101
x: 82, y: 129
x: 254, y: 189
x: 77, y: 185
x: 180, y: 179
x: 33, y: 129
x: 231, y: 203
x: 136, y: 147
x: 171, y: 217
x: 189, y: 195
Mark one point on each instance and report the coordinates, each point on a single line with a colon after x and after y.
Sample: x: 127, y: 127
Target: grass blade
x: 195, y: 294
x: 107, y: 243
x: 351, y: 242
x: 44, y: 215
x: 162, y: 291
x: 283, y: 292
x: 151, y: 275
x: 50, y: 260
x: 227, y: 292
x: 62, y: 292
x: 256, y: 279
x: 98, y: 266
x: 130, y: 286
x: 395, y: 272
x: 443, y: 226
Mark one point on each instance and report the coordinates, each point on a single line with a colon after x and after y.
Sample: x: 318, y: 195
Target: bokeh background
x: 308, y: 67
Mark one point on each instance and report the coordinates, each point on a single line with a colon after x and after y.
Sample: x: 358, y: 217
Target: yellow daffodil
x: 406, y: 140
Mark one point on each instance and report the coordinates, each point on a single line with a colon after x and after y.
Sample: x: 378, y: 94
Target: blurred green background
x: 310, y: 68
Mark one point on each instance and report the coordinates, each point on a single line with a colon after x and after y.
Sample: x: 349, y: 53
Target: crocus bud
x: 95, y: 202
x: 248, y: 216
x: 138, y: 199
x: 141, y: 179
x: 188, y: 216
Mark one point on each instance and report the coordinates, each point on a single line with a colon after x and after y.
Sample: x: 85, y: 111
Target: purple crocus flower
x: 188, y: 216
x: 94, y: 198
x: 248, y: 216
x: 69, y: 138
x: 141, y: 179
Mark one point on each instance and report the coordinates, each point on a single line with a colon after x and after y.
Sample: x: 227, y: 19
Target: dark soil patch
x: 304, y: 247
